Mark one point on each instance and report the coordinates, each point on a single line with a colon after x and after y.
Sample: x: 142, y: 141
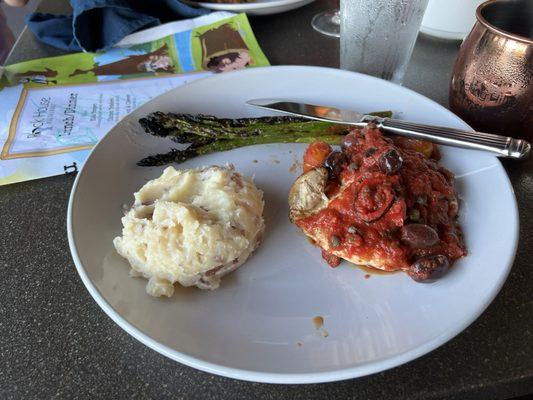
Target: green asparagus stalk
x: 207, y: 134
x: 183, y: 126
x: 179, y: 156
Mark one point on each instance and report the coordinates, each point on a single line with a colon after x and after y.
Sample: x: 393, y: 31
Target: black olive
x: 419, y: 236
x: 334, y: 162
x: 390, y: 162
x: 428, y: 269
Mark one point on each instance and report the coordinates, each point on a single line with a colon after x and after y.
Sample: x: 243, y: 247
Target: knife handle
x: 502, y: 146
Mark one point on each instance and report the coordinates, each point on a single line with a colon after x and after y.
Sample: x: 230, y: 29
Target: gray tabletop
x: 56, y: 342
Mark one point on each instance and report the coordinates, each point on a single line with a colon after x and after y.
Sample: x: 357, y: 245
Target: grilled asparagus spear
x: 207, y: 134
x: 182, y: 126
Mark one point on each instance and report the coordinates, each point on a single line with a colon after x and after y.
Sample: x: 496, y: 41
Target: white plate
x: 258, y: 326
x: 259, y: 7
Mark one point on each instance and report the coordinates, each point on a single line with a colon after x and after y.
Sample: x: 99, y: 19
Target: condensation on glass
x: 377, y: 36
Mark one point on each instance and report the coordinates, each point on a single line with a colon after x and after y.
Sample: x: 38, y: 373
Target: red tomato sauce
x: 370, y: 203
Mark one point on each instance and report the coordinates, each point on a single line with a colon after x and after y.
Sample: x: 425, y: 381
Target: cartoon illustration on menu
x: 124, y: 61
x: 223, y: 49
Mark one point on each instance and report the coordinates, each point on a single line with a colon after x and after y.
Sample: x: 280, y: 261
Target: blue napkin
x: 97, y: 25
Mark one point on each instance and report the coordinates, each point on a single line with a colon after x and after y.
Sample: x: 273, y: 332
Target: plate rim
x: 367, y: 368
x: 260, y: 5
x: 443, y: 34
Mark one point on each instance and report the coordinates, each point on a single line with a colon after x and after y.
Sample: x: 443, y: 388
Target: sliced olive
x: 428, y: 269
x: 334, y: 162
x: 390, y: 162
x: 419, y: 236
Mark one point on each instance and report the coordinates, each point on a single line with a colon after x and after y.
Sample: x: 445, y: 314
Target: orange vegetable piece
x: 315, y: 154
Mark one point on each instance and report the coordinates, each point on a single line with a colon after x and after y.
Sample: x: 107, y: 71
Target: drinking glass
x: 327, y: 22
x: 377, y: 36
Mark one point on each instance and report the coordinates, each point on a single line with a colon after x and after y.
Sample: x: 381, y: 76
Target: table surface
x: 56, y: 341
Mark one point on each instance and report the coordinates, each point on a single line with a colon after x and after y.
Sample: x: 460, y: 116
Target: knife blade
x: 312, y: 111
x: 502, y: 146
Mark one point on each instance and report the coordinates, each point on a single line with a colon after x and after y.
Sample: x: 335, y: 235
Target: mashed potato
x: 192, y: 227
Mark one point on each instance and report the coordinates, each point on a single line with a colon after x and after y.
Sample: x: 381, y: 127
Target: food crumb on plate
x: 318, y: 321
x: 255, y: 161
x: 299, y: 344
x: 367, y: 276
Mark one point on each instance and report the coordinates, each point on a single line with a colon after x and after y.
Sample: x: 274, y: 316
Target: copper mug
x: 491, y: 87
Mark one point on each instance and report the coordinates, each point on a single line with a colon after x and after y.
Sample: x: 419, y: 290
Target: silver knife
x: 502, y: 146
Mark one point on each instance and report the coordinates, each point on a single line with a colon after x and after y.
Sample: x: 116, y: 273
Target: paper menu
x: 59, y: 107
x: 60, y: 119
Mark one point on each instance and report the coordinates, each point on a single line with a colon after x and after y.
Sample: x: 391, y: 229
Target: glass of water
x: 377, y: 36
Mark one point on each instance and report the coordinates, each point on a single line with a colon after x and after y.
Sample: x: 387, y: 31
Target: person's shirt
x: 6, y: 38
